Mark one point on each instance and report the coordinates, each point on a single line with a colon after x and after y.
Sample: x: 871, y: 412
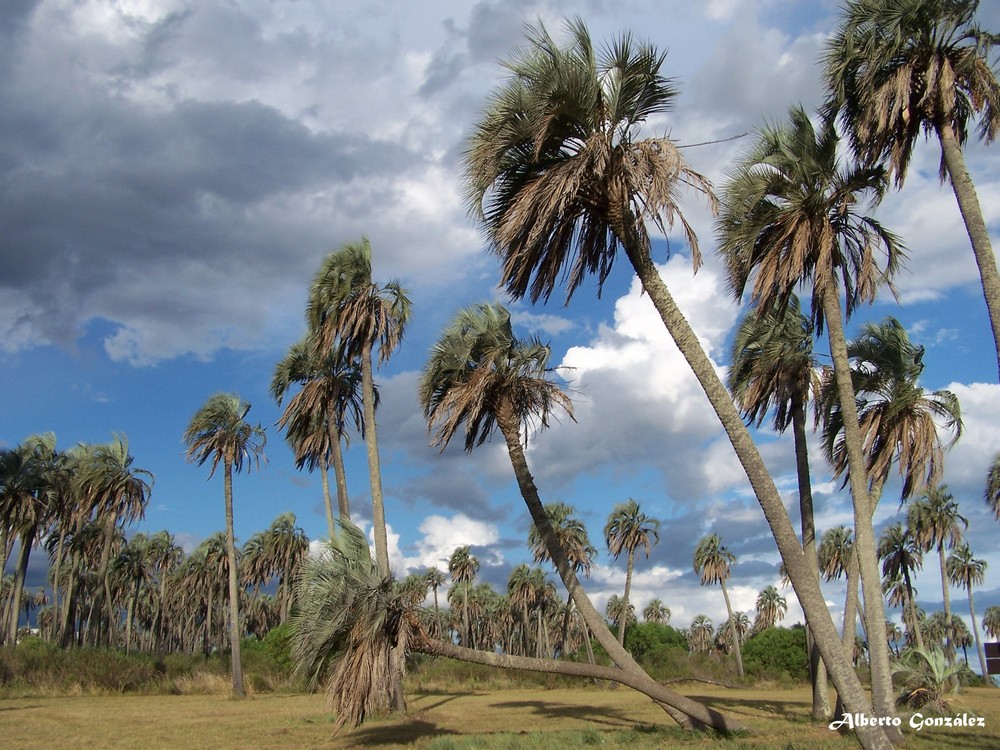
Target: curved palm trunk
x: 972, y: 215
x: 17, y: 594
x: 817, y: 668
x: 804, y: 580
x: 949, y: 628
x: 623, y: 618
x: 684, y: 711
x: 864, y: 533
x: 234, y: 590
x: 733, y: 635
x: 979, y: 642
x: 68, y: 628
x: 914, y: 620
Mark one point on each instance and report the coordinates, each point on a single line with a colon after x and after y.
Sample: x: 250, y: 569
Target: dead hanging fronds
x: 349, y: 620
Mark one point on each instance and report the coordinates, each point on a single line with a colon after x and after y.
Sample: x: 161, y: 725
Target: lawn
x: 494, y: 719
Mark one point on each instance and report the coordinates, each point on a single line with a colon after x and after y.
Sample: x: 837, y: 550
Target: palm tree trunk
x: 949, y: 628
x: 67, y: 631
x: 94, y: 625
x: 17, y: 592
x: 327, y: 500
x: 972, y: 215
x: 340, y: 477
x: 817, y: 667
x: 864, y: 532
x: 234, y: 591
x: 733, y: 635
x: 623, y: 618
x: 979, y: 642
x: 804, y: 580
x: 684, y: 711
x: 914, y: 620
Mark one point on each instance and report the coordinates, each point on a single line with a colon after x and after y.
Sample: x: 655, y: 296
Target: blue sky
x: 172, y: 174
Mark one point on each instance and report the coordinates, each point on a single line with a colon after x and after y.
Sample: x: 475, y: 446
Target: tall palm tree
x: 219, y: 431
x: 656, y: 611
x: 966, y: 571
x: 934, y: 521
x: 575, y: 542
x: 558, y: 174
x: 774, y: 368
x: 118, y: 493
x: 896, y: 68
x: 771, y: 609
x: 318, y: 415
x: 620, y: 612
x: 627, y: 530
x: 350, y: 313
x: 434, y: 579
x: 287, y: 546
x: 701, y: 633
x: 483, y: 377
x: 901, y: 557
x: 712, y: 561
x: 791, y: 214
x: 463, y: 566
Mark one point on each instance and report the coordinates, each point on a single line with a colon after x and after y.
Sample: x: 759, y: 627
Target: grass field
x: 495, y: 719
x: 509, y: 718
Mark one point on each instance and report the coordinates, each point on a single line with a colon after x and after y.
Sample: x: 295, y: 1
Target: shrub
x: 777, y: 653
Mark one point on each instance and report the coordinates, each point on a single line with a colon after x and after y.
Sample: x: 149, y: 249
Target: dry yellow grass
x: 511, y: 718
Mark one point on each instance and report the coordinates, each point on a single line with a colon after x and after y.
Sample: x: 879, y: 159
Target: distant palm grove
x: 563, y: 182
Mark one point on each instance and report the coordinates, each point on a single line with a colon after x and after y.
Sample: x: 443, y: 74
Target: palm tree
x: 434, y: 579
x: 620, y: 612
x: 317, y: 417
x: 219, y: 431
x: 463, y: 566
x: 701, y: 633
x: 483, y: 377
x: 992, y: 493
x: 556, y: 171
x: 899, y: 420
x: 896, y: 68
x: 286, y: 545
x: 774, y: 368
x: 627, y: 530
x: 350, y: 313
x: 901, y: 557
x: 118, y: 493
x: 575, y: 543
x: 991, y: 621
x: 934, y: 521
x: 771, y: 609
x: 792, y: 215
x: 712, y: 563
x: 966, y: 571
x: 656, y: 611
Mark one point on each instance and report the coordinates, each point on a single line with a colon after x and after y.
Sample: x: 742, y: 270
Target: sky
x: 173, y: 172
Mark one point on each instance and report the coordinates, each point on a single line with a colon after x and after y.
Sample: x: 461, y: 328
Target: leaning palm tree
x: 219, y: 431
x: 934, y: 521
x: 774, y: 369
x: 966, y: 571
x: 482, y: 377
x: 350, y: 314
x: 627, y: 530
x: 896, y: 68
x: 561, y: 180
x: 318, y: 415
x: 712, y: 561
x: 793, y: 215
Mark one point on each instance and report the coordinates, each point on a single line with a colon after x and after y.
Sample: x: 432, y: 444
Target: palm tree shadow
x: 407, y: 732
x: 789, y: 710
x: 443, y: 697
x: 608, y: 716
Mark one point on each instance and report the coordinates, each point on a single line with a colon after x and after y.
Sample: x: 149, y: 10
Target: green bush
x: 777, y: 653
x: 644, y: 637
